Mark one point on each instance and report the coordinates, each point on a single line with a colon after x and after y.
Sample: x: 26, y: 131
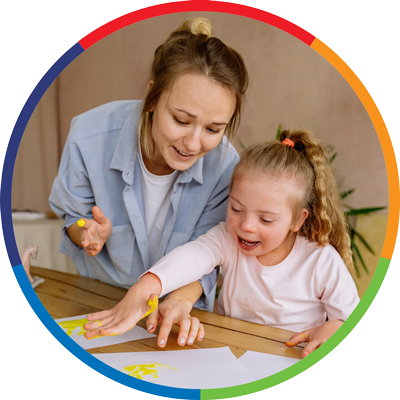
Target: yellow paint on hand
x: 139, y: 371
x: 153, y: 303
x: 81, y: 222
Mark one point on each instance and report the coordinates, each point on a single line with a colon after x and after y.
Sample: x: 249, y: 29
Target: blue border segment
x: 86, y: 357
x: 13, y: 145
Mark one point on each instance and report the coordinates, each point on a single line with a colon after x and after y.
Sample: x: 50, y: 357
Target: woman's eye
x: 213, y: 131
x: 179, y: 122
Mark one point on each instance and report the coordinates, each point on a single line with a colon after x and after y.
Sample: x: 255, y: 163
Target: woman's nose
x: 192, y: 140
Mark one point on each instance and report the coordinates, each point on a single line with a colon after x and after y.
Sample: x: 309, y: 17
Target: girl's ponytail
x: 326, y: 222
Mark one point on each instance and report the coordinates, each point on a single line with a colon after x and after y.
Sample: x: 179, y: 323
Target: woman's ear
x: 302, y: 217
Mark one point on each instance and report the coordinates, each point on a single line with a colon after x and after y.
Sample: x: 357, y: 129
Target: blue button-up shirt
x: 99, y: 166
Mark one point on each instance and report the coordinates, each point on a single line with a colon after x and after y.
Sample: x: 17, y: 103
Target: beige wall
x: 290, y: 84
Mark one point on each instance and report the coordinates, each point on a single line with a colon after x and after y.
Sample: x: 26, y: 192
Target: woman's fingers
x: 164, y: 331
x: 310, y: 347
x: 297, y: 338
x: 194, y: 329
x: 184, y: 327
x: 201, y: 333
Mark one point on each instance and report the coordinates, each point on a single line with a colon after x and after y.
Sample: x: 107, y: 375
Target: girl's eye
x: 235, y: 210
x: 266, y: 221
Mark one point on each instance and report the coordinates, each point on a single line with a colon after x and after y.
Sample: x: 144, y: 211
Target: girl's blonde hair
x: 308, y: 163
x: 191, y: 48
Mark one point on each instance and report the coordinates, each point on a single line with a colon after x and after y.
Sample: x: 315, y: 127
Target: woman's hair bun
x: 199, y: 26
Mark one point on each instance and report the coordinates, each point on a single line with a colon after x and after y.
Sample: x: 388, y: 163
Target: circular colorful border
x: 228, y: 8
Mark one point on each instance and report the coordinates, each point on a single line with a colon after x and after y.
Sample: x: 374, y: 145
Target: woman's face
x: 189, y: 121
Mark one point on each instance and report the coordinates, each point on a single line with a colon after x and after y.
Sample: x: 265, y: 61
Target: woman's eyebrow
x: 195, y: 117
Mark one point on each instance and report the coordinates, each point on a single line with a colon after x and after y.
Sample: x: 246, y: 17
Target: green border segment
x: 315, y: 356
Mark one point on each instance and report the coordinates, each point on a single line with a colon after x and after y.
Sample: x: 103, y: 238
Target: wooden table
x: 67, y: 295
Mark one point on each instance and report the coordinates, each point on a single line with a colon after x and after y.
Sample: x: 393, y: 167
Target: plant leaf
x: 343, y: 195
x: 241, y: 144
x: 362, y: 211
x: 364, y: 242
x: 333, y: 156
x: 355, y: 247
x: 278, y: 132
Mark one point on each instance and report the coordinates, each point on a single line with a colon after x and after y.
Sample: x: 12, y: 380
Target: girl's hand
x: 93, y: 233
x: 315, y: 336
x: 175, y: 311
x: 124, y: 316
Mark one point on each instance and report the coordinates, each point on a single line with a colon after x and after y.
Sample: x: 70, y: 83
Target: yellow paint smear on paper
x: 139, y: 371
x: 70, y: 326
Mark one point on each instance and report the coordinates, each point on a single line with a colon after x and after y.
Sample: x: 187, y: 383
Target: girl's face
x: 189, y: 121
x: 260, y: 216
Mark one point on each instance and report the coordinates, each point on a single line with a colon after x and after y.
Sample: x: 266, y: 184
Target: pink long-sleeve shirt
x: 297, y: 294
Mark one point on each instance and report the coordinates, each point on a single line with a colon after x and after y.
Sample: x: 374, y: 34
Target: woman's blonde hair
x: 191, y: 48
x: 308, y: 163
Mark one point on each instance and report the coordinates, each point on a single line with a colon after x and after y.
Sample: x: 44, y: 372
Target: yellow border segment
x: 384, y: 138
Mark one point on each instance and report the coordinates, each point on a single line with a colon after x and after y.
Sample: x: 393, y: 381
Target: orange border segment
x: 384, y: 138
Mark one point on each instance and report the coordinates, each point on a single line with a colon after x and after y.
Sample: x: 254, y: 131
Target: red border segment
x: 384, y: 138
x: 195, y: 5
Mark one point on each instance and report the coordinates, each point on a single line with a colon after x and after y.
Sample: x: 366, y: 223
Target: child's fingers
x: 309, y: 348
x: 118, y: 328
x: 152, y: 321
x: 194, y: 328
x: 101, y: 315
x: 152, y: 304
x: 98, y: 215
x: 297, y: 338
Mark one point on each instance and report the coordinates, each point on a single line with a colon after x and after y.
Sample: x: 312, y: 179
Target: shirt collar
x: 125, y: 152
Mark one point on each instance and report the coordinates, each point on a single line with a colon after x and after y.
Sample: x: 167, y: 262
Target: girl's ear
x: 300, y: 221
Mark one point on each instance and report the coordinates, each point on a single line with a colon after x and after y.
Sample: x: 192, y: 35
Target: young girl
x: 283, y: 250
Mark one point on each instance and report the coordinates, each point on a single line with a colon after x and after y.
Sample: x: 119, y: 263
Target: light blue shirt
x: 99, y: 166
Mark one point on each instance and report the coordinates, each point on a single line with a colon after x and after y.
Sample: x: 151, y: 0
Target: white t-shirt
x: 156, y: 192
x: 296, y: 294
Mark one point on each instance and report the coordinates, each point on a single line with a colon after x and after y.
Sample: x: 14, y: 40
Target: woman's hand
x: 315, y: 336
x: 175, y: 310
x: 124, y: 316
x: 91, y: 234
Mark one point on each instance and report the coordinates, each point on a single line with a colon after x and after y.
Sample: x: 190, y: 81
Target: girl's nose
x: 247, y: 225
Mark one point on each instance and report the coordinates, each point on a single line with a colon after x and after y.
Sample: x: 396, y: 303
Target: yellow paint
x: 139, y: 371
x: 70, y: 326
x: 81, y: 222
x: 153, y: 303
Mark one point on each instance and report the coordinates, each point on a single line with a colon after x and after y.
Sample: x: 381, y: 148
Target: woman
x: 145, y: 177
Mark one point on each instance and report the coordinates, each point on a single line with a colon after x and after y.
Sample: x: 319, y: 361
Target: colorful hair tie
x: 288, y: 142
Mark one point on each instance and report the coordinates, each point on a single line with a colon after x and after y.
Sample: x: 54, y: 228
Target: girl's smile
x: 260, y: 216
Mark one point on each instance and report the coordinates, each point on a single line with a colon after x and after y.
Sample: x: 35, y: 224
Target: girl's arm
x: 127, y: 312
x: 181, y: 266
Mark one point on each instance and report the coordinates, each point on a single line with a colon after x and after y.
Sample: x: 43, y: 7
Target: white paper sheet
x: 261, y: 365
x: 73, y: 326
x: 189, y: 369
